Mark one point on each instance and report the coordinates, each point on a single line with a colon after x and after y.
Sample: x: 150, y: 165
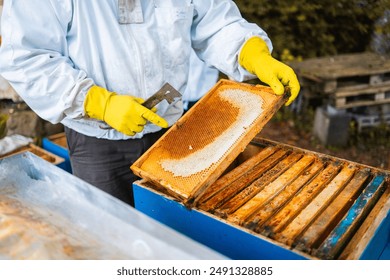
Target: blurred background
x: 301, y: 30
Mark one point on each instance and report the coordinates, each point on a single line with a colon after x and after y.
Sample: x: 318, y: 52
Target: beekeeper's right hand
x: 122, y: 112
x: 256, y: 58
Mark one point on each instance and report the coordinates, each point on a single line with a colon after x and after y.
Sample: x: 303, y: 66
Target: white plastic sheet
x: 47, y: 213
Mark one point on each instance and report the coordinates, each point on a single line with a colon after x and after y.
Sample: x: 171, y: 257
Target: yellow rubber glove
x: 256, y: 59
x: 123, y: 112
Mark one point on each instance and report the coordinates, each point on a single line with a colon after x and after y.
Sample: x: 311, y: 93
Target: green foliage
x: 3, y: 125
x: 305, y: 29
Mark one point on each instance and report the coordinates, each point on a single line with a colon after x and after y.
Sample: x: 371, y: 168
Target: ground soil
x: 371, y: 147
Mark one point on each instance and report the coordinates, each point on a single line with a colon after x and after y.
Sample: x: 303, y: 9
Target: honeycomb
x: 196, y: 150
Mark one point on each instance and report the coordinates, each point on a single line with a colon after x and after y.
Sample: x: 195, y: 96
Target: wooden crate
x: 349, y: 80
x: 346, y: 71
x: 46, y: 155
x: 208, y: 138
x: 315, y: 204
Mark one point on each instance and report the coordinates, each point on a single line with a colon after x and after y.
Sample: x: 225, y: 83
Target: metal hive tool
x: 207, y: 139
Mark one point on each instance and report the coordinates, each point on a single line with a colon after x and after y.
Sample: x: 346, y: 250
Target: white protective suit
x: 53, y: 51
x: 201, y: 78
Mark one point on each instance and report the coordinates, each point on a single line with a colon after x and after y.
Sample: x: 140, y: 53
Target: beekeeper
x: 205, y: 75
x: 89, y: 64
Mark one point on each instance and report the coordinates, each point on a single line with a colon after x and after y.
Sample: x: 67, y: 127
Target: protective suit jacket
x: 53, y: 51
x: 201, y: 79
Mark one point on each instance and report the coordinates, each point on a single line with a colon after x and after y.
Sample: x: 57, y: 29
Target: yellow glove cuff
x: 252, y: 48
x: 96, y: 101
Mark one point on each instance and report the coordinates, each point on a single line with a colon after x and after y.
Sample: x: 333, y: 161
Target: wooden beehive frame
x: 315, y: 204
x: 148, y: 166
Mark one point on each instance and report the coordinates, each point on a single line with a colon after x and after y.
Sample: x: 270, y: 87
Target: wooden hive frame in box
x: 311, y: 203
x: 195, y: 151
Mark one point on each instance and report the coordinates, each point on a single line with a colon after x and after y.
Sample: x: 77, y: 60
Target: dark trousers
x: 105, y: 164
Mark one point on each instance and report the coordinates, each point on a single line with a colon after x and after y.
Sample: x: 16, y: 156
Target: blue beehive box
x: 56, y: 144
x: 340, y: 210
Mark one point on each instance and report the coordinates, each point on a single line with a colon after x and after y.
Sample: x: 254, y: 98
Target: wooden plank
x: 281, y: 219
x: 362, y: 91
x: 271, y: 190
x: 367, y: 230
x: 346, y: 65
x: 316, y: 206
x: 323, y: 224
x: 344, y: 104
x: 237, y: 173
x: 341, y: 235
x: 356, y: 86
x: 236, y: 186
x: 246, y: 194
x: 364, y: 96
x: 264, y: 213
